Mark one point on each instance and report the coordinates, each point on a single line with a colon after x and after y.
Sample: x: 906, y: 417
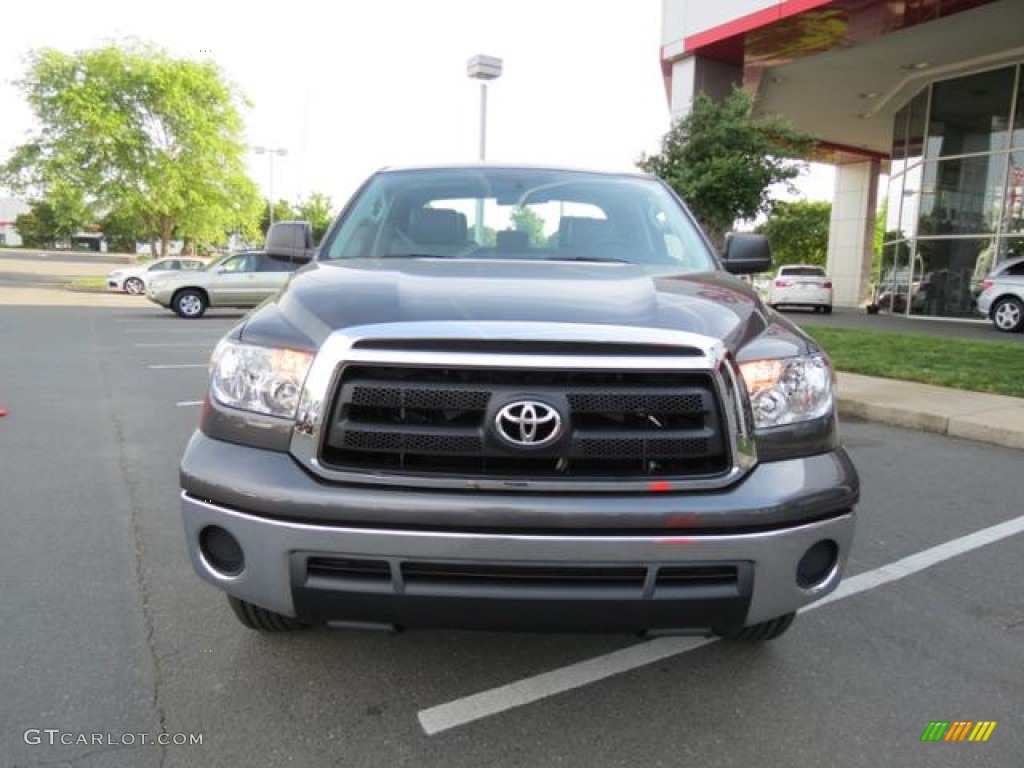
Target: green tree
x: 529, y: 221
x: 283, y: 211
x: 881, y: 217
x: 132, y: 133
x: 723, y: 162
x: 318, y: 210
x: 798, y: 232
x: 40, y: 226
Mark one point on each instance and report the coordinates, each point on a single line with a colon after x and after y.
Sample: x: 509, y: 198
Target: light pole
x: 270, y: 152
x: 483, y: 68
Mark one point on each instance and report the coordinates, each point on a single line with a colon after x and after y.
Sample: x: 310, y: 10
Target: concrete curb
x: 994, y: 419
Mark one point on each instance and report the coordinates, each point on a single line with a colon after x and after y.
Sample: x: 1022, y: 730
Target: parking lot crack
x: 139, y: 552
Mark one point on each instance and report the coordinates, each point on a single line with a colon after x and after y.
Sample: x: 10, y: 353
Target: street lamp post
x: 484, y: 69
x: 270, y: 152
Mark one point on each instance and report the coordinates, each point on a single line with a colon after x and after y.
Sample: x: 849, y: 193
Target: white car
x: 135, y: 280
x: 801, y: 285
x: 1002, y: 296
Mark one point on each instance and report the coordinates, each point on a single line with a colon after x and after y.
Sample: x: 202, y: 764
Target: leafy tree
x: 131, y: 133
x: 52, y: 220
x: 798, y: 232
x: 724, y: 162
x: 529, y: 221
x: 38, y: 227
x: 318, y: 210
x: 122, y: 231
x: 283, y: 211
x: 881, y: 217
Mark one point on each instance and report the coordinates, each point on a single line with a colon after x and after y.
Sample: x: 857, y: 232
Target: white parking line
x: 188, y: 403
x: 486, y: 703
x: 183, y: 365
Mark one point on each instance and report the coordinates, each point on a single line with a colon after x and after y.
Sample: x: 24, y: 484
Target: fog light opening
x: 817, y: 564
x: 221, y: 550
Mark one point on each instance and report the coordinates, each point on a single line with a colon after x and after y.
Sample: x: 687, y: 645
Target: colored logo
x: 958, y: 730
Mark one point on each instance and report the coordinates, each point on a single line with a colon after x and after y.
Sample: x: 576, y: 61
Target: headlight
x: 789, y: 390
x: 259, y: 379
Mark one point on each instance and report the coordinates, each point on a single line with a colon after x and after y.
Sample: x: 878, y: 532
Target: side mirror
x: 290, y: 241
x: 746, y: 254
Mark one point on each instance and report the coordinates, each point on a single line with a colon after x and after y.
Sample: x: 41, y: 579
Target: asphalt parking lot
x: 107, y: 631
x: 848, y: 317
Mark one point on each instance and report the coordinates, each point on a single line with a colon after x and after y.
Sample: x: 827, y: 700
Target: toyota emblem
x: 528, y: 424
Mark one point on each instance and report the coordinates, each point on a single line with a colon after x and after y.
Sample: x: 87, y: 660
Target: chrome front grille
x: 412, y: 405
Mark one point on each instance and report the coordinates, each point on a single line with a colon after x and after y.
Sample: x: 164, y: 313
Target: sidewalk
x: 972, y: 415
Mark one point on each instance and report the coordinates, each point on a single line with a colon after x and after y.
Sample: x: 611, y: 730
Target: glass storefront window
x: 1013, y: 213
x: 962, y: 196
x: 1010, y: 248
x: 892, y: 209
x: 953, y: 217
x: 893, y: 277
x: 971, y: 114
x: 1018, y: 118
x: 949, y: 275
x: 899, y: 135
x: 910, y: 200
x: 917, y: 122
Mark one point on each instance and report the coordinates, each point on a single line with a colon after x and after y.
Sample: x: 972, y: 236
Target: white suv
x: 801, y: 285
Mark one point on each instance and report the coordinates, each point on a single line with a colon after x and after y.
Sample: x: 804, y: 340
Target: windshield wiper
x: 593, y: 259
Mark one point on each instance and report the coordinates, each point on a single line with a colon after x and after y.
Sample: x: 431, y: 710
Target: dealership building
x: 927, y: 92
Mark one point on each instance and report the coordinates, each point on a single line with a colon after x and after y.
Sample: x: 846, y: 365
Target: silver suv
x: 240, y: 280
x: 1002, y: 296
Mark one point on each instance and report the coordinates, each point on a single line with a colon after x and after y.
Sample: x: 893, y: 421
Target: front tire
x: 760, y: 633
x: 1008, y: 315
x: 260, y: 619
x: 827, y: 309
x: 190, y: 303
x: 134, y: 286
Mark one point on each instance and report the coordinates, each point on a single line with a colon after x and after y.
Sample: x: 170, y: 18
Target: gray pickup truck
x: 524, y: 399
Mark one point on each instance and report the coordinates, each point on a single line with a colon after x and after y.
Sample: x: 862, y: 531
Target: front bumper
x: 598, y: 573
x: 159, y: 296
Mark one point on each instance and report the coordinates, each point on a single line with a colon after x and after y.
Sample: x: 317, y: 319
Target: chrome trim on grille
x: 339, y: 348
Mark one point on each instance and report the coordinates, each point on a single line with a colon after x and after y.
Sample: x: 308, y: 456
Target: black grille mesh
x: 435, y: 420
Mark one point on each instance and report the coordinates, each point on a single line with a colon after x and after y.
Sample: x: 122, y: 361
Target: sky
x: 355, y: 85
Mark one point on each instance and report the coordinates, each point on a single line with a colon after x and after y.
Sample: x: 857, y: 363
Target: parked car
x: 597, y: 429
x: 1002, y: 296
x: 801, y: 285
x: 135, y: 280
x: 240, y: 280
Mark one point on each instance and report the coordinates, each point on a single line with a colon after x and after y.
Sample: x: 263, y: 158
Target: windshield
x: 802, y: 271
x: 520, y: 214
x: 212, y: 267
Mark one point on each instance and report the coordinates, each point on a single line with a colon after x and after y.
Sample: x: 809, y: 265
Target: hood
x: 327, y: 296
